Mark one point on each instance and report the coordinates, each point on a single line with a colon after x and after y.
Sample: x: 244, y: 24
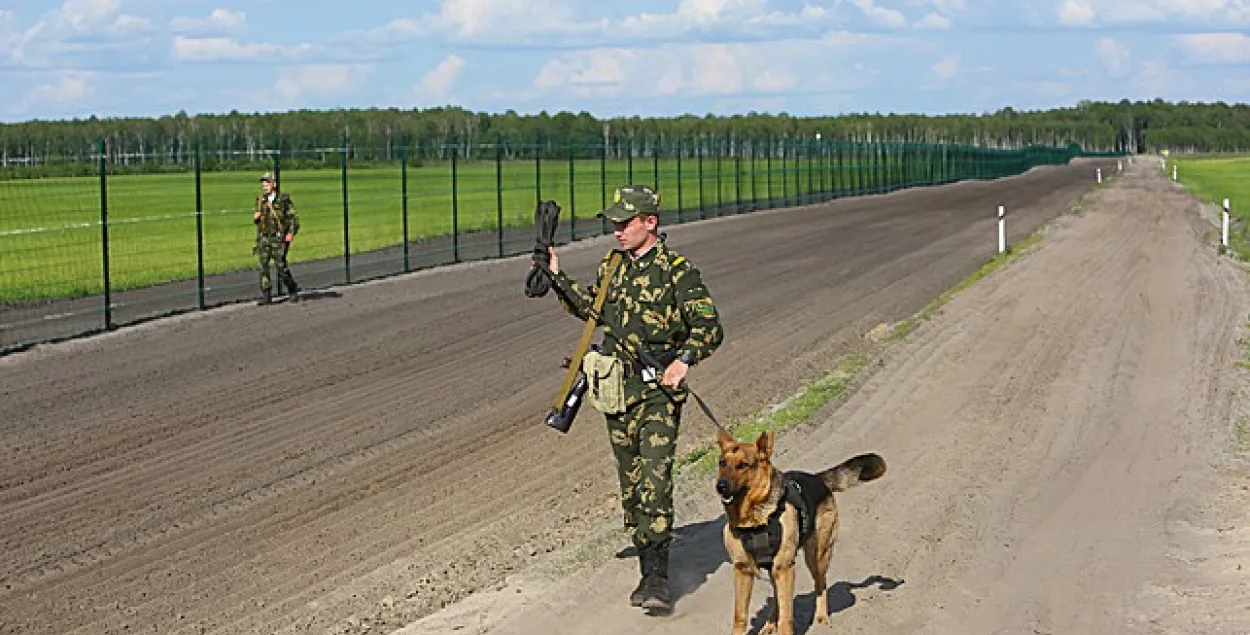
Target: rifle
x: 569, y: 400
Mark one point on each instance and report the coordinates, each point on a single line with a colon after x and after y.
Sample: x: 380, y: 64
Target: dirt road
x: 354, y: 462
x: 1067, y: 446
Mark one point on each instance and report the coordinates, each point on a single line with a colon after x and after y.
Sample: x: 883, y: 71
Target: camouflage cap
x: 268, y: 176
x: 630, y: 201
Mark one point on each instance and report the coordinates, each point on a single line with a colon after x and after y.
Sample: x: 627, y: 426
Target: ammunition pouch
x: 605, y: 376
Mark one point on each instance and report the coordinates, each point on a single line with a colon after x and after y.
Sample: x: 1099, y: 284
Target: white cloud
x: 1215, y: 48
x: 1223, y: 13
x: 69, y: 87
x: 881, y: 15
x: 321, y: 80
x: 437, y: 82
x: 947, y: 67
x: 1113, y: 54
x: 216, y: 49
x: 934, y: 21
x: 745, y: 69
x: 218, y: 21
x: 567, y: 23
x: 1076, y: 13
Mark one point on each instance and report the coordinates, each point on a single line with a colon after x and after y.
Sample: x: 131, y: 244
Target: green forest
x: 228, y: 141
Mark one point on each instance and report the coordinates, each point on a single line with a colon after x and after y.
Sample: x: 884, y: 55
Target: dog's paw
x: 769, y: 629
x: 822, y: 619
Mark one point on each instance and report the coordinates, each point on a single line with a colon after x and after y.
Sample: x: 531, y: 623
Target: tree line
x: 385, y: 134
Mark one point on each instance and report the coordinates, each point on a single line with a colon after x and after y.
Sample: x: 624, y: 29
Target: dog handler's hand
x: 674, y: 374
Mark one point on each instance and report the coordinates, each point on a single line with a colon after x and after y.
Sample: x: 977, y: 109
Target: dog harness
x: 803, y: 491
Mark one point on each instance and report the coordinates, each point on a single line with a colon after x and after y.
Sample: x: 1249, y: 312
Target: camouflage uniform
x: 660, y: 302
x: 277, y: 219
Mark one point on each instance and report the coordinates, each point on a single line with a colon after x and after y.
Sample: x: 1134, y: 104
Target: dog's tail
x: 853, y: 471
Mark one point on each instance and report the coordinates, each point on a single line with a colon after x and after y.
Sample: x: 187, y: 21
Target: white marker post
x: 1173, y: 172
x: 1002, y: 230
x: 1119, y: 166
x: 1100, y: 175
x: 1224, y: 238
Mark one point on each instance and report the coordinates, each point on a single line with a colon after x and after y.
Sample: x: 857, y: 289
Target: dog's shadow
x: 841, y: 597
x: 696, y: 554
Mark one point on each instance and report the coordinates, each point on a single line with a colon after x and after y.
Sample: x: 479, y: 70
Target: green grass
x: 50, y: 230
x: 1213, y: 178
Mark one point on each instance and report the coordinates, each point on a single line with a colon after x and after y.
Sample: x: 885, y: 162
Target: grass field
x: 51, y: 233
x: 1213, y: 178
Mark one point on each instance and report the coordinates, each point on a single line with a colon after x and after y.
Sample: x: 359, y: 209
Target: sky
x: 110, y: 58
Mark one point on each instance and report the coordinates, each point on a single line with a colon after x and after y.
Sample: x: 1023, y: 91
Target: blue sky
x: 76, y: 58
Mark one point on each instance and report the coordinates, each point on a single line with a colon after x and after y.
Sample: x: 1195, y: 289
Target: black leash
x: 546, y: 220
x: 641, y: 356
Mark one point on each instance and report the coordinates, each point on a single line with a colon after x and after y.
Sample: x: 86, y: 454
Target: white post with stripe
x: 1224, y: 237
x: 1002, y: 230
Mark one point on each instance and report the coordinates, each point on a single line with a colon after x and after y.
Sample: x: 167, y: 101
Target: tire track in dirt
x: 370, y: 457
x: 1057, y: 440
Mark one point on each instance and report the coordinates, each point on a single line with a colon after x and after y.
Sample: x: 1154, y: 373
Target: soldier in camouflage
x: 657, y: 301
x: 277, y: 223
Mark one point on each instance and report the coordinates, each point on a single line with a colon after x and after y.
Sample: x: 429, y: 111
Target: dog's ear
x: 726, y: 442
x: 764, y: 444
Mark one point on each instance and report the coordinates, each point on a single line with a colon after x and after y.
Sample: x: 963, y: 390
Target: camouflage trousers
x: 273, y: 250
x: 644, y: 442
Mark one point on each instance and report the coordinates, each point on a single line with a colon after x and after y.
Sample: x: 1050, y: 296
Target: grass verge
x: 1213, y: 178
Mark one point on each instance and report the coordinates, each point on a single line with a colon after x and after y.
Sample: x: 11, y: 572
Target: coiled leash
x: 546, y: 220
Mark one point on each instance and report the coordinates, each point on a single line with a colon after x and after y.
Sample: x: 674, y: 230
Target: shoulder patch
x: 702, y: 307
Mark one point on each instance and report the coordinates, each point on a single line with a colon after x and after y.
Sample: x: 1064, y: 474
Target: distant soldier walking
x: 276, y: 226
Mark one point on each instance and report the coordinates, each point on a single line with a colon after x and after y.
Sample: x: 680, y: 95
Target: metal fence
x: 91, y: 246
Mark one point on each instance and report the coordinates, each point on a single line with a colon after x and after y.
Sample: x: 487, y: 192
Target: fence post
x: 499, y: 191
x: 347, y: 240
x: 680, y: 144
x: 768, y: 171
x: 603, y: 187
x: 720, y: 185
x: 538, y: 170
x: 698, y: 151
x: 199, y: 229
x: 737, y: 176
x: 655, y: 163
x: 455, y: 203
x: 572, y: 197
x: 403, y: 186
x: 629, y: 159
x: 104, y: 236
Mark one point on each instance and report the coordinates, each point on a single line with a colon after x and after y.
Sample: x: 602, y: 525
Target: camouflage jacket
x: 276, y: 219
x: 658, y: 301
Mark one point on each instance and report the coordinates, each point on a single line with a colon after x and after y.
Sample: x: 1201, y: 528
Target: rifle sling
x: 575, y: 364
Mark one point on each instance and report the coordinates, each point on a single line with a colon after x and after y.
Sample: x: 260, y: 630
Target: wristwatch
x: 687, y: 357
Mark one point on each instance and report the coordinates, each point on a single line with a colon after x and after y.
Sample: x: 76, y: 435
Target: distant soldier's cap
x: 268, y: 176
x: 630, y: 201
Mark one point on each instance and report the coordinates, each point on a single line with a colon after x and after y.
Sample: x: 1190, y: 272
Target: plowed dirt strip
x: 1066, y: 450
x: 361, y: 460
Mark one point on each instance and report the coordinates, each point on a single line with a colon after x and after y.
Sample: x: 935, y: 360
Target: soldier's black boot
x: 656, y: 597
x: 640, y: 592
x: 265, y: 298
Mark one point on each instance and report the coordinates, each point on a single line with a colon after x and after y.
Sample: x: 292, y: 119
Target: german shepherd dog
x: 770, y: 514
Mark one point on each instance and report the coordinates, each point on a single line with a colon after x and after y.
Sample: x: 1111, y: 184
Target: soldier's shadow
x: 316, y: 294
x: 697, y: 552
